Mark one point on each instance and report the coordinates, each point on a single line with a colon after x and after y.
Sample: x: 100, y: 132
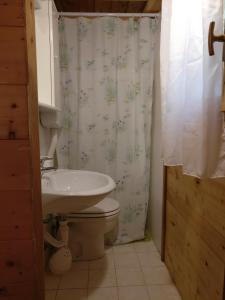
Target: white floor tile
x: 108, y: 249
x: 74, y: 279
x: 151, y: 259
x: 133, y: 293
x: 129, y: 277
x: 123, y: 249
x: 102, y: 278
x: 51, y: 281
x: 156, y: 275
x: 127, y: 272
x: 126, y: 260
x: 103, y: 294
x: 71, y: 294
x: 106, y: 262
x: 143, y: 247
x: 50, y: 295
x: 163, y: 292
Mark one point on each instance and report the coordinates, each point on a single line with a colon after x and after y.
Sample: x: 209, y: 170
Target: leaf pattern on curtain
x: 107, y: 67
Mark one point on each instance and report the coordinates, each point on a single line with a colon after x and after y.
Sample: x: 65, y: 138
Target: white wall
x: 156, y: 180
x: 45, y: 139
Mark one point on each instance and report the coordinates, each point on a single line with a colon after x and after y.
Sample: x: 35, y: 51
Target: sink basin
x: 66, y: 191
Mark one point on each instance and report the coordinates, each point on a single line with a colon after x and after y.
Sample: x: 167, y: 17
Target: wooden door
x: 21, y: 240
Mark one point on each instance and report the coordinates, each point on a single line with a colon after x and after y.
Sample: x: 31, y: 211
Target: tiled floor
x: 127, y: 272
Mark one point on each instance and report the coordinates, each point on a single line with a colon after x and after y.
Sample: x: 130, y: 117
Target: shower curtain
x: 107, y: 67
x: 191, y: 82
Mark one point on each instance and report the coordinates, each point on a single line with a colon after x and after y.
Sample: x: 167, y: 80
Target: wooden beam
x: 153, y: 6
x: 124, y: 1
x: 59, y: 5
x: 33, y: 122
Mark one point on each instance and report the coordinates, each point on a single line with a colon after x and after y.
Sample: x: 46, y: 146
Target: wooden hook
x: 212, y: 38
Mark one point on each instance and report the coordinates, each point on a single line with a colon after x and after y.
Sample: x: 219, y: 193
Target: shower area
x: 111, y: 111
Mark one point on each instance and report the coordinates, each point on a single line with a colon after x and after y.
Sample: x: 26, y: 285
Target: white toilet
x: 88, y: 228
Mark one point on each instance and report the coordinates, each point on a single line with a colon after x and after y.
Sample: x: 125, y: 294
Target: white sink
x: 65, y: 191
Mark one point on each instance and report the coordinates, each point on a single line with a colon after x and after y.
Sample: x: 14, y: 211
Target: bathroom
x: 112, y: 139
x: 104, y: 123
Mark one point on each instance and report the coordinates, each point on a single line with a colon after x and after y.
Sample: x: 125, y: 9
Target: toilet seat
x: 105, y: 208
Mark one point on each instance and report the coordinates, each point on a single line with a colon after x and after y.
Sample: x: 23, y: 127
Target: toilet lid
x: 106, y: 207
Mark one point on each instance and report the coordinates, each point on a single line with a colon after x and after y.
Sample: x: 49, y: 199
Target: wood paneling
x: 15, y: 165
x: 13, y: 112
x: 34, y: 150
x: 21, y: 239
x: 17, y: 209
x: 16, y: 261
x: 102, y: 6
x: 195, y: 235
x: 17, y: 291
x: 12, y: 55
x: 12, y: 13
x: 153, y: 6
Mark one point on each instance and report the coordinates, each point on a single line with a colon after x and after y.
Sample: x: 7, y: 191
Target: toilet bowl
x: 88, y: 227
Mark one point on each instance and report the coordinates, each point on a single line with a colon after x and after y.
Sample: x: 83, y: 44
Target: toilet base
x: 86, y: 248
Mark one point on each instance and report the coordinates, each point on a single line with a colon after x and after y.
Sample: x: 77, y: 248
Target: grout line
x: 88, y: 278
x: 58, y: 285
x: 115, y: 270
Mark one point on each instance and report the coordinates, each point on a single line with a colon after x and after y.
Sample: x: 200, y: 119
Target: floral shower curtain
x: 107, y: 67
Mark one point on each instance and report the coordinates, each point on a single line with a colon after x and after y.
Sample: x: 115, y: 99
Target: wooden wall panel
x: 12, y: 13
x: 195, y: 238
x: 32, y: 101
x: 13, y: 112
x: 13, y: 68
x: 21, y: 238
x: 16, y: 261
x: 15, y: 167
x: 17, y: 209
x: 17, y: 291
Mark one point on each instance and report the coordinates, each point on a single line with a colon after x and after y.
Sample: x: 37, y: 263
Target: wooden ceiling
x: 113, y: 6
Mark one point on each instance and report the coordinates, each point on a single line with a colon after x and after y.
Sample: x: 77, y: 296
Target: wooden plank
x: 198, y: 204
x: 11, y: 13
x: 87, y: 5
x: 136, y: 7
x: 163, y: 238
x: 208, y: 234
x: 183, y: 276
x: 193, y: 257
x: 14, y: 165
x: 13, y: 112
x: 17, y: 291
x: 102, y: 6
x: 195, y: 236
x: 12, y: 56
x: 223, y: 102
x: 119, y: 7
x: 126, y: 1
x: 16, y: 262
x: 35, y: 150
x: 153, y: 6
x: 16, y: 217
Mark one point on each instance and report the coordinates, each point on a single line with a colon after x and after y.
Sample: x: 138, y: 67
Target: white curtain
x: 107, y: 81
x: 191, y: 83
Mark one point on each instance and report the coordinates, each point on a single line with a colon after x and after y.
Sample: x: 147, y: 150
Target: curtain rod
x: 85, y: 14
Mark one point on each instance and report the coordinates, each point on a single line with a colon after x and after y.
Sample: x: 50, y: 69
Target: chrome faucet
x: 42, y: 163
